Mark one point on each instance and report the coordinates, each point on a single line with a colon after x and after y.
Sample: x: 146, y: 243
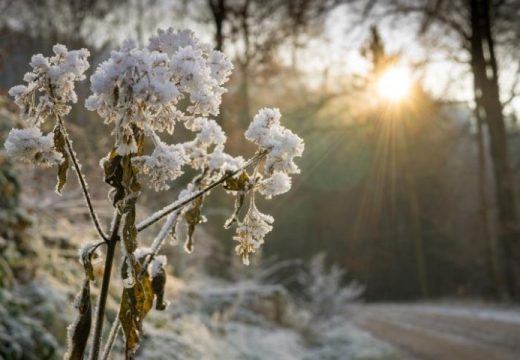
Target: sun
x: 394, y: 84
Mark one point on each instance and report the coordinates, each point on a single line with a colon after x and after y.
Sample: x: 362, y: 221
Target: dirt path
x: 436, y: 333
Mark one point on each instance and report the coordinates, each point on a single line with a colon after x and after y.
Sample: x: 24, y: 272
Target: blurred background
x: 401, y: 236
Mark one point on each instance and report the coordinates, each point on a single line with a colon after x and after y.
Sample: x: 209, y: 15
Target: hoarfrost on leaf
x: 251, y: 231
x: 158, y: 263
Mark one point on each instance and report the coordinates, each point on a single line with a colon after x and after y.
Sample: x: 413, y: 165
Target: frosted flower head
x: 209, y: 134
x: 142, y: 88
x: 164, y: 165
x: 222, y: 162
x: 220, y: 66
x: 281, y: 144
x: 30, y: 146
x: 131, y: 86
x: 50, y: 84
x: 170, y: 40
x: 278, y: 183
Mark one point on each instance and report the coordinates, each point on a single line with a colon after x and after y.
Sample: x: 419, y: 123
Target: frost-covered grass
x: 208, y: 318
x: 237, y: 327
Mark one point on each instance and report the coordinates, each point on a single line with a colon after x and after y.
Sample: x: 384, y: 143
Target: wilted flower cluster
x: 251, y: 232
x: 48, y: 93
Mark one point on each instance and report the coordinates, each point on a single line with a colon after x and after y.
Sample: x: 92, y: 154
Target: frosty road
x: 444, y: 332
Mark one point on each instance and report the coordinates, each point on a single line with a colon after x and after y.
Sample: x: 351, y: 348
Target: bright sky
x: 339, y: 53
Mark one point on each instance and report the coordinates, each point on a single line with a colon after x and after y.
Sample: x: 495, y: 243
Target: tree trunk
x: 485, y: 73
x: 493, y: 265
x: 218, y: 10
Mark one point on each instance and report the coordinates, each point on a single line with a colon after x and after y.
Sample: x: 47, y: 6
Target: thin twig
x: 100, y: 314
x: 114, y: 331
x: 180, y: 203
x: 82, y: 180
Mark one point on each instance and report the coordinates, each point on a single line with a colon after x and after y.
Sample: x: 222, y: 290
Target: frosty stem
x: 81, y: 180
x: 100, y: 314
x: 114, y: 331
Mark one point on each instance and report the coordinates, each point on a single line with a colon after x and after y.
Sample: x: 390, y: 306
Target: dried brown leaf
x: 79, y: 330
x: 63, y: 167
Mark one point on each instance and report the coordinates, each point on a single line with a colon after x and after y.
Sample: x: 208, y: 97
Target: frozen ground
x: 211, y: 319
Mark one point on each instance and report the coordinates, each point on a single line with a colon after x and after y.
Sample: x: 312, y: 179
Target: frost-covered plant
x: 324, y: 289
x: 141, y: 93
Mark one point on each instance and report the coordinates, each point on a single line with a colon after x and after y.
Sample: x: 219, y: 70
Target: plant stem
x: 100, y: 314
x: 180, y: 203
x: 82, y: 181
x: 114, y: 331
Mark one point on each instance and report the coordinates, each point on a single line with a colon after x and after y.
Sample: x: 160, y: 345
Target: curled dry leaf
x: 136, y: 302
x: 79, y: 330
x: 158, y: 283
x: 239, y: 184
x: 86, y: 255
x: 63, y: 167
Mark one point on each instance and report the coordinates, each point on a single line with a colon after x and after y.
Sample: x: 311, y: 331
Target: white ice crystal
x: 170, y: 40
x: 278, y: 183
x: 164, y: 165
x: 220, y: 161
x: 209, y: 133
x: 50, y: 84
x: 220, y: 66
x: 158, y: 263
x: 30, y: 146
x: 281, y: 143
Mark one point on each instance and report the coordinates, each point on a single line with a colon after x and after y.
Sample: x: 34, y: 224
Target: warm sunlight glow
x: 394, y: 84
